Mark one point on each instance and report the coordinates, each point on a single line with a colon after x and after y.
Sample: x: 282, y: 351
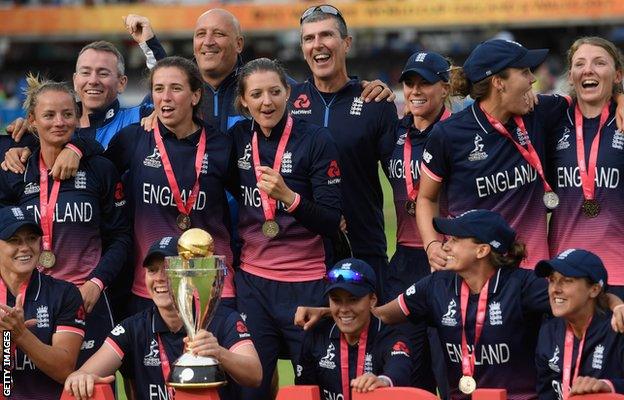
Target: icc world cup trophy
x: 195, y: 281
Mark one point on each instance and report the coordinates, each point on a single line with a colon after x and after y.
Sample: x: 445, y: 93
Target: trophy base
x: 200, y: 377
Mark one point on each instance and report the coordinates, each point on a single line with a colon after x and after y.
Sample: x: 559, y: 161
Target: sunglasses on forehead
x: 345, y: 275
x: 323, y: 9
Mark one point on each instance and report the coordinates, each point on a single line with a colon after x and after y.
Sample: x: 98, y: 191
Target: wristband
x: 430, y: 243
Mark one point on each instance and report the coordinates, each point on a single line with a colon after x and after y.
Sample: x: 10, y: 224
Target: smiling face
x: 463, y: 253
x: 593, y: 74
x: 324, y: 49
x: 19, y: 254
x: 173, y: 98
x: 54, y: 117
x: 350, y: 313
x: 571, y: 297
x: 424, y: 99
x: 156, y: 282
x: 514, y: 89
x: 265, y: 97
x: 97, y: 80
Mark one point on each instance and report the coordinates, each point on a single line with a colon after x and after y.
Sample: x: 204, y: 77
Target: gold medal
x: 551, y: 200
x: 183, y: 221
x: 467, y: 384
x: 590, y: 208
x: 410, y: 207
x: 47, y: 259
x: 270, y: 228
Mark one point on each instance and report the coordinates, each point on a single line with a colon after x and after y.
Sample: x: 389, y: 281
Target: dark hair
x: 462, y: 87
x: 106, y: 47
x: 189, y: 69
x: 35, y: 86
x: 253, y: 66
x: 319, y: 15
x: 512, y: 259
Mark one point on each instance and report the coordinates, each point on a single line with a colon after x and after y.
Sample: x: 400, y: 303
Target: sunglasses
x: 345, y: 275
x: 324, y: 9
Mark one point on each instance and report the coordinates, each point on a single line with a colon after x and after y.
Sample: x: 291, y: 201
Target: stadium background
x: 45, y: 36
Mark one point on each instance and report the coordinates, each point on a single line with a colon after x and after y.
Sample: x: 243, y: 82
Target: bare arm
x: 390, y: 313
x: 428, y: 207
x: 100, y: 368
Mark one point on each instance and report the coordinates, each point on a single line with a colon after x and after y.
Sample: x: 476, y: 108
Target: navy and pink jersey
x: 135, y: 341
x: 602, y: 357
x: 480, y: 168
x: 394, y: 168
x: 151, y: 201
x: 57, y: 307
x: 309, y: 167
x: 569, y: 227
x: 91, y: 233
x: 359, y: 129
x: 504, y: 356
x: 387, y: 353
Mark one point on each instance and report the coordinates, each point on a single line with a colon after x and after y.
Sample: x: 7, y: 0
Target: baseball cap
x: 14, y: 218
x: 353, y: 275
x: 484, y: 225
x: 431, y: 66
x: 165, y: 247
x: 493, y: 56
x: 575, y: 263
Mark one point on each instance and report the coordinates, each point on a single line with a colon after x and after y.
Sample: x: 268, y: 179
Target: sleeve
x: 235, y: 333
x: 435, y: 163
x: 86, y: 145
x: 28, y: 140
x: 552, y: 108
x: 71, y: 317
x: 305, y: 373
x: 122, y: 147
x: 398, y: 364
x: 544, y: 376
x: 322, y: 213
x: 114, y: 227
x: 415, y: 301
x: 7, y: 195
x: 153, y: 51
x: 618, y: 383
x: 120, y: 338
x: 388, y: 125
x: 534, y: 292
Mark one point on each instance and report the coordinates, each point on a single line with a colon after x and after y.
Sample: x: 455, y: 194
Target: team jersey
x: 218, y: 104
x: 602, y: 358
x: 504, y: 358
x: 481, y: 168
x: 569, y: 227
x: 134, y: 152
x: 90, y: 234
x: 394, y: 168
x: 359, y: 129
x: 135, y: 341
x: 309, y: 167
x: 387, y: 353
x: 57, y: 307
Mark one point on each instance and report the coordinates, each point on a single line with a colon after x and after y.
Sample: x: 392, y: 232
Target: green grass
x: 286, y: 374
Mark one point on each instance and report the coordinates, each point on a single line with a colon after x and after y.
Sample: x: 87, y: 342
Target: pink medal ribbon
x: 567, y: 358
x: 344, y: 360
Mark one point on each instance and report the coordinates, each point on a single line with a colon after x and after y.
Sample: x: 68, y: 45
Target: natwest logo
x: 301, y: 105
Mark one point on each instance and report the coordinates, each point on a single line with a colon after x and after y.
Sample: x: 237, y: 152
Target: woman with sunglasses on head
x: 426, y: 88
x: 577, y: 352
x: 374, y: 354
x: 42, y: 317
x: 586, y: 159
x: 176, y: 172
x: 86, y: 234
x: 289, y: 197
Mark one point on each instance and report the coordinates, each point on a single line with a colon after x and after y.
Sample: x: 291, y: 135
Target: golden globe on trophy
x: 195, y: 283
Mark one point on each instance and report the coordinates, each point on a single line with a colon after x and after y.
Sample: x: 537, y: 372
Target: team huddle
x: 509, y: 228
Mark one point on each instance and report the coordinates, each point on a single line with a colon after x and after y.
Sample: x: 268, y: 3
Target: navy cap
x: 484, y: 225
x: 14, y: 218
x: 165, y: 247
x: 575, y: 263
x: 432, y: 67
x: 493, y: 56
x: 353, y: 275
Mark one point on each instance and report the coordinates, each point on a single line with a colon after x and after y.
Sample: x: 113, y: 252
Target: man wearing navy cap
x: 582, y: 324
x: 354, y: 340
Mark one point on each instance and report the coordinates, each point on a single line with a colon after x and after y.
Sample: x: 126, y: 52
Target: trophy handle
x: 185, y: 301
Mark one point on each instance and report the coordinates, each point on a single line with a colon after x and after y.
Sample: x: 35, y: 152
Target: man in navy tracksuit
x: 332, y: 99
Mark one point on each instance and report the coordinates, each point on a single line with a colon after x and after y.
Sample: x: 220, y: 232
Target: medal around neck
x: 551, y: 200
x: 47, y: 259
x: 195, y: 279
x: 183, y: 221
x: 410, y: 207
x: 270, y: 228
x: 590, y: 208
x: 467, y: 384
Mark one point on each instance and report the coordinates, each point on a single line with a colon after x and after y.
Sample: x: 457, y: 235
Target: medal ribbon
x: 269, y: 205
x: 529, y: 154
x: 412, y: 190
x: 183, y: 208
x: 344, y: 360
x: 46, y: 204
x: 588, y: 172
x: 567, y: 358
x: 164, y: 365
x: 4, y: 299
x: 468, y: 360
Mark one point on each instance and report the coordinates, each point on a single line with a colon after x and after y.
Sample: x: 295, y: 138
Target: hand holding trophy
x: 195, y: 282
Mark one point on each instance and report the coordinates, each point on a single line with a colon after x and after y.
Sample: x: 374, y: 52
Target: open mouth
x: 166, y: 111
x: 321, y: 58
x: 589, y: 83
x: 346, y: 320
x: 93, y: 92
x: 558, y: 300
x: 23, y: 258
x: 418, y: 102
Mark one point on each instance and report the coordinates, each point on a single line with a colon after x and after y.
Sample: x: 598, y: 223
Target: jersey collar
x: 193, y: 138
x: 407, y: 122
x: 34, y: 286
x: 230, y: 79
x: 481, y: 119
x: 276, y: 132
x: 100, y: 117
x: 495, y: 281
x: 572, y: 107
x: 159, y: 325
